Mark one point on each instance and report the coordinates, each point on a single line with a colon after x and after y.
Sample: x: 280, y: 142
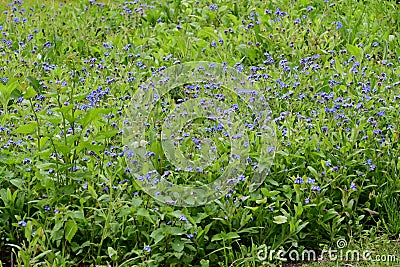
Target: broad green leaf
x: 268, y: 193
x: 70, y: 230
x: 27, y: 128
x: 112, y: 253
x: 93, y: 115
x: 355, y: 51
x: 158, y: 235
x: 35, y: 84
x: 175, y: 231
x: 92, y: 192
x: 178, y: 245
x: 232, y: 235
x: 280, y: 219
x: 207, y: 32
x: 30, y: 92
x: 7, y: 89
x: 217, y: 237
x: 313, y: 171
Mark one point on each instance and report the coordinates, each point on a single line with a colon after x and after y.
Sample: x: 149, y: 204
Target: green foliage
x: 69, y: 71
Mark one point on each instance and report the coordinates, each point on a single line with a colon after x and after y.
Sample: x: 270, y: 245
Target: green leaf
x: 205, y: 263
x: 57, y: 233
x: 178, y: 245
x: 175, y: 231
x: 313, y: 171
x: 217, y: 237
x: 35, y: 84
x: 232, y: 235
x: 244, y: 49
x: 70, y: 230
x: 27, y: 128
x: 355, y: 51
x: 106, y: 134
x: 330, y: 214
x: 158, y: 235
x: 77, y: 214
x: 30, y: 92
x: 17, y: 183
x: 112, y: 253
x: 280, y: 219
x: 224, y: 236
x: 268, y: 193
x: 207, y: 32
x: 93, y: 115
x: 7, y: 89
x: 92, y: 192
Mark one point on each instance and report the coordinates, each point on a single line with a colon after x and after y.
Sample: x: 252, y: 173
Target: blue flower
x: 353, y: 186
x: 22, y: 223
x: 336, y: 168
x: 299, y: 180
x: 147, y: 248
x: 310, y: 181
x: 213, y: 7
x: 190, y: 236
x: 339, y: 25
x: 315, y: 188
x: 372, y: 167
x: 327, y: 164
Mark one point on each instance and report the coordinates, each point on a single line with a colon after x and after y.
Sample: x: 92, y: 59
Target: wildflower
x: 336, y: 168
x: 213, y: 7
x: 299, y: 180
x: 190, y: 236
x: 147, y: 248
x: 310, y: 181
x: 353, y: 186
x: 315, y: 188
x: 372, y: 167
x: 327, y: 164
x: 22, y: 223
